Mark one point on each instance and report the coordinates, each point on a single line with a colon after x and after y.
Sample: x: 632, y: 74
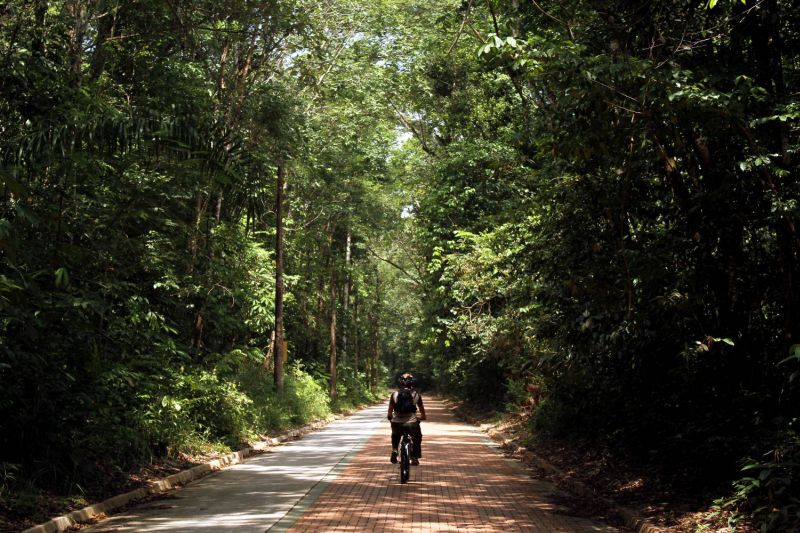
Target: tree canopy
x: 597, y: 198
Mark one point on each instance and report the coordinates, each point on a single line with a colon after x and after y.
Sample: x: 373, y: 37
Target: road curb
x: 64, y: 522
x: 636, y: 523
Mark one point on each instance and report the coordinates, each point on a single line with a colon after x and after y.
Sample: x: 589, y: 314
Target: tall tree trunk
x: 356, y: 337
x: 346, y: 295
x: 80, y: 14
x: 105, y: 30
x: 199, y: 209
x: 269, y: 358
x: 218, y: 210
x: 279, y: 349
x: 38, y: 45
x: 333, y: 330
x: 374, y: 355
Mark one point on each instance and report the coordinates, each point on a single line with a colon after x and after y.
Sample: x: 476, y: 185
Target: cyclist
x: 403, y: 406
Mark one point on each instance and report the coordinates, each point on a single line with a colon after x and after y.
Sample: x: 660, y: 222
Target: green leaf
x: 62, y: 278
x: 794, y: 354
x: 26, y: 214
x: 11, y: 184
x: 5, y: 229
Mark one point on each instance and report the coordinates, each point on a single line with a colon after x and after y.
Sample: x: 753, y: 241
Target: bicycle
x: 406, y: 450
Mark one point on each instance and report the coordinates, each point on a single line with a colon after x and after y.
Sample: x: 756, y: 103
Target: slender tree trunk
x: 333, y: 331
x: 768, y: 47
x: 269, y: 358
x: 374, y: 355
x: 356, y: 336
x: 279, y: 350
x: 375, y: 336
x: 199, y: 325
x: 218, y: 210
x: 346, y: 295
x: 195, y: 244
x: 223, y: 60
x: 106, y: 27
x: 247, y: 222
x: 79, y: 12
x: 38, y: 45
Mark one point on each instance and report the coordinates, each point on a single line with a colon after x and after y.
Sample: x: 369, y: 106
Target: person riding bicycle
x: 403, y: 406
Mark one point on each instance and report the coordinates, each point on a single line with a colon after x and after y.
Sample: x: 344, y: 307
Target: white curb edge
x: 64, y: 522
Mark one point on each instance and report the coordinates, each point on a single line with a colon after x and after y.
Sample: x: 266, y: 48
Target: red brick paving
x: 460, y: 485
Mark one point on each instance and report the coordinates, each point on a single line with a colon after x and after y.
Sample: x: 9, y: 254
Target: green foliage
x: 352, y: 390
x: 767, y: 491
x: 304, y: 400
x: 137, y: 166
x: 602, y: 202
x: 307, y: 398
x: 605, y: 205
x: 214, y: 407
x: 711, y: 3
x: 8, y: 475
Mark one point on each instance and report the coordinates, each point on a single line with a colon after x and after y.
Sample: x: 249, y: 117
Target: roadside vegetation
x: 223, y: 219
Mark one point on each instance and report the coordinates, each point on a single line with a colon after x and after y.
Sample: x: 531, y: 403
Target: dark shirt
x: 416, y: 416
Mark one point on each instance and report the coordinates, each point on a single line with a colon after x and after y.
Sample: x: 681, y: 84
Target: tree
x: 279, y: 350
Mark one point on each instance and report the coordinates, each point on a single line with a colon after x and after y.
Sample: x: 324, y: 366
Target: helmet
x: 406, y: 380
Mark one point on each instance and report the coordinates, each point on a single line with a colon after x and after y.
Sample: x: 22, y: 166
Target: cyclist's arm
x: 421, y: 407
x: 391, y: 407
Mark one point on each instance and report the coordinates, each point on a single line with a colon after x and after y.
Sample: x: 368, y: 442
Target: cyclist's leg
x: 397, y: 432
x: 416, y: 436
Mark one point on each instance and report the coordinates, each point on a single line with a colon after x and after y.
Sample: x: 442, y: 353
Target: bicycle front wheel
x: 405, y: 463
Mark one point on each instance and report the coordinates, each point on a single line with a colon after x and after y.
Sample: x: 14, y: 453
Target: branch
x: 614, y: 89
x: 476, y: 33
x: 509, y: 71
x: 494, y: 17
x: 416, y: 280
x: 413, y: 263
x: 461, y: 29
x: 569, y: 29
x: 427, y: 149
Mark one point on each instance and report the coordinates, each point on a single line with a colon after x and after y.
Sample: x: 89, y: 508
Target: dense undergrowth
x: 204, y: 414
x: 607, y: 206
x: 139, y: 156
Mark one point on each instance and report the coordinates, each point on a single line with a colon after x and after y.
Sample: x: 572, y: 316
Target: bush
x: 768, y: 490
x: 352, y: 390
x: 197, y: 404
x: 8, y: 474
x: 306, y: 398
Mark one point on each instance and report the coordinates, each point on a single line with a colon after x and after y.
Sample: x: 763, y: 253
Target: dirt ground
x: 665, y: 501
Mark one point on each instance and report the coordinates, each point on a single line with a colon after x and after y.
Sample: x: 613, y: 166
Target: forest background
x: 598, y: 199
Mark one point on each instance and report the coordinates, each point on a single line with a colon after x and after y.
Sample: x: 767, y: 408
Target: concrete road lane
x: 255, y: 495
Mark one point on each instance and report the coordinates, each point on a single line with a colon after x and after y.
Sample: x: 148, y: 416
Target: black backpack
x: 404, y: 404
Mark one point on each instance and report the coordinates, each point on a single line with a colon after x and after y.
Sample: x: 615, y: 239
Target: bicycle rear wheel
x: 405, y: 462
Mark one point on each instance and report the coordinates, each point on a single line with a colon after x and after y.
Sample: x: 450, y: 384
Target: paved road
x: 254, y: 495
x: 340, y: 479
